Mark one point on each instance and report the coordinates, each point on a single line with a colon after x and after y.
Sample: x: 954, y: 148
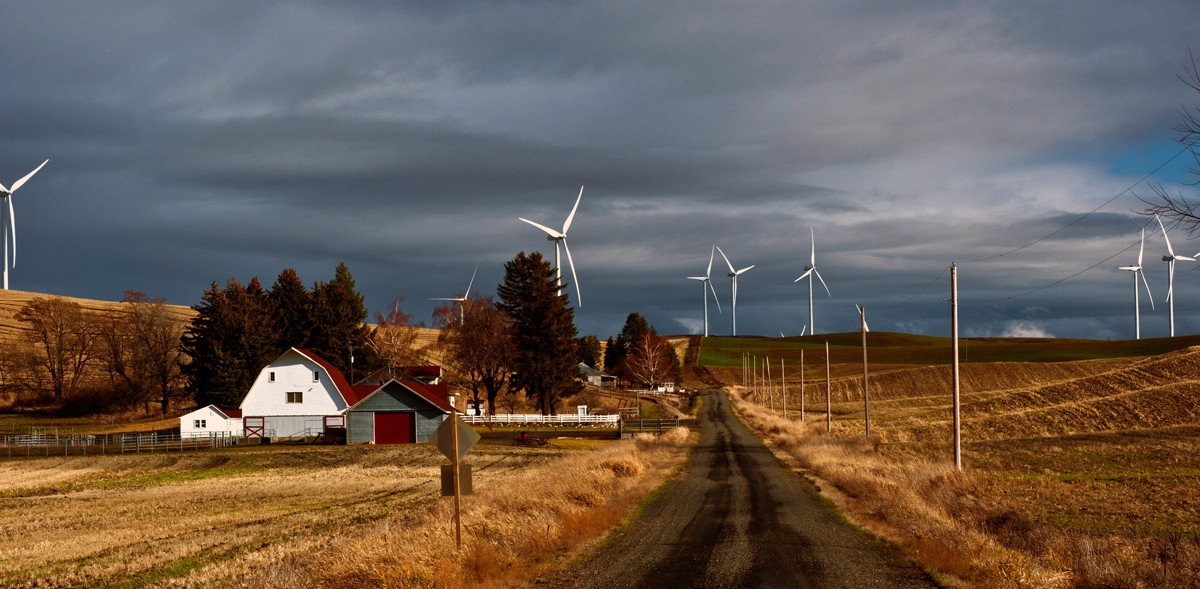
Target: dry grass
x: 317, y: 517
x: 1080, y: 474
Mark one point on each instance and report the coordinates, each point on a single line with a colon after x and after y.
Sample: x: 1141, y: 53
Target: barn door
x: 399, y: 427
x: 254, y: 427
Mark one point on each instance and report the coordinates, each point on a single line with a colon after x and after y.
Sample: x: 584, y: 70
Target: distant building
x: 595, y: 377
x: 211, y: 421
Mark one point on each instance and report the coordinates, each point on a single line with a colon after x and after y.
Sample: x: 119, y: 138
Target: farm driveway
x: 735, y: 517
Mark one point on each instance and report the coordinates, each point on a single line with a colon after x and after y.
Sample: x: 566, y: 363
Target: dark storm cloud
x: 193, y: 143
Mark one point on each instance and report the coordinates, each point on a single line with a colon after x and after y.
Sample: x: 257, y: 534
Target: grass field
x: 1080, y: 473
x: 290, y: 516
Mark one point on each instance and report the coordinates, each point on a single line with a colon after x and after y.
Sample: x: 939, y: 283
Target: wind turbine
x: 809, y: 271
x: 10, y: 228
x: 1138, y: 271
x: 463, y: 299
x: 706, y: 286
x: 1170, y: 260
x: 561, y: 237
x: 733, y: 274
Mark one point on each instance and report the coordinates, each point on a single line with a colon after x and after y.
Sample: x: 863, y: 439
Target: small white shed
x: 211, y: 421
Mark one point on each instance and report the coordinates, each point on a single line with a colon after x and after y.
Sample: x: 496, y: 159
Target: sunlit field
x: 1077, y: 473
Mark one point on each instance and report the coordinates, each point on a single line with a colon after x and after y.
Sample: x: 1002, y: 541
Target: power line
x: 1089, y: 213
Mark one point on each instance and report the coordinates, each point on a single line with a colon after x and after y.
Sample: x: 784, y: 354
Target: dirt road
x: 735, y: 517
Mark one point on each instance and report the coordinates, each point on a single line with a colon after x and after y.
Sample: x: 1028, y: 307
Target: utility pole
x: 783, y: 387
x: 954, y: 365
x: 828, y: 395
x: 801, y: 384
x: 862, y: 316
x: 767, y: 380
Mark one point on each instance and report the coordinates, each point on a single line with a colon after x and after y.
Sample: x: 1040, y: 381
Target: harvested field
x: 259, y: 516
x: 1077, y: 474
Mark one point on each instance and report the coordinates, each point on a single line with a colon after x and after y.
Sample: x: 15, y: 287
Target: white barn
x: 211, y: 421
x: 299, y: 394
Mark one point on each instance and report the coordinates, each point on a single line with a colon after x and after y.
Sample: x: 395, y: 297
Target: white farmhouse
x: 211, y: 421
x: 298, y: 395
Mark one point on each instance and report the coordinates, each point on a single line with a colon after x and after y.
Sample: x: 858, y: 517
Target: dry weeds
x: 1080, y: 474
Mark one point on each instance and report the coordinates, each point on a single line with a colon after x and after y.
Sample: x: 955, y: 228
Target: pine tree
x: 229, y: 341
x: 291, y: 310
x: 338, y: 331
x: 544, y: 363
x: 631, y: 333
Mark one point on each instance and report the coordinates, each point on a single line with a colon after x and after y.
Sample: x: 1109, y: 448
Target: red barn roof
x: 349, y: 395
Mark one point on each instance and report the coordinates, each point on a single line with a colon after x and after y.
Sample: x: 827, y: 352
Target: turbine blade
x: 12, y: 228
x: 739, y: 272
x: 697, y: 278
x: 578, y: 293
x: 822, y: 282
x: 21, y: 182
x: 549, y: 231
x: 1148, y: 295
x: 571, y: 217
x: 803, y: 330
x: 471, y: 283
x: 1165, y: 238
x: 715, y: 299
x: 813, y: 255
x: 727, y: 262
x: 4, y: 190
x: 803, y: 276
x: 1186, y: 258
x: 1142, y: 247
x: 711, y: 255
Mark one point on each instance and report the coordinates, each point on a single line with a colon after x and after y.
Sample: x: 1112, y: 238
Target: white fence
x: 534, y: 419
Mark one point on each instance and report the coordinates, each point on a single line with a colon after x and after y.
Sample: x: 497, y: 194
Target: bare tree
x: 651, y: 360
x: 1176, y: 207
x: 63, y: 337
x: 478, y: 341
x: 142, y: 348
x: 394, y: 340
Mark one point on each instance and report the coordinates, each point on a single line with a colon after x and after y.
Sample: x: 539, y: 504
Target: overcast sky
x: 198, y: 141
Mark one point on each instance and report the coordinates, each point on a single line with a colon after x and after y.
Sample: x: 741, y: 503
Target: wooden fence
x: 533, y: 419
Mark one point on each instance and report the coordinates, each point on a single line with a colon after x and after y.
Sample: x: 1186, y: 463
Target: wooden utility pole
x: 828, y: 395
x: 862, y: 316
x: 783, y: 387
x: 954, y: 364
x: 457, y: 482
x: 801, y: 384
x: 767, y: 380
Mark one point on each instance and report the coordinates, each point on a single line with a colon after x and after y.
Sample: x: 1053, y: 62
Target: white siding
x: 293, y: 373
x: 210, y: 421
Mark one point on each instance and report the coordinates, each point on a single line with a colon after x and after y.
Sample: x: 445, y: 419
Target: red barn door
x: 398, y: 427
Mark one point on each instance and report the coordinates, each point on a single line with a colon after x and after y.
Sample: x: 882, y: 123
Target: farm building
x: 299, y: 394
x: 596, y: 377
x: 211, y: 421
x: 398, y: 413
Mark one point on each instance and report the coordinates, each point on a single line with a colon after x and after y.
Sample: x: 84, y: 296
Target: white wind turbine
x: 809, y: 271
x: 561, y: 237
x: 733, y: 274
x: 1170, y: 260
x: 10, y: 228
x: 462, y: 312
x: 706, y: 285
x: 1138, y: 271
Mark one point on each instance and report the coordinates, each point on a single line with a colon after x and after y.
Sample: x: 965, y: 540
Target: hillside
x: 11, y: 302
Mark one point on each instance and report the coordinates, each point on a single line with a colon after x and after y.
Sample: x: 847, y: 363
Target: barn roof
x: 229, y: 413
x: 434, y: 394
x: 349, y: 395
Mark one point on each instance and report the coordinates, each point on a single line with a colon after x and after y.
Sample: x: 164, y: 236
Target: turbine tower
x: 705, y: 286
x: 561, y: 237
x: 462, y: 312
x: 733, y: 274
x: 10, y: 228
x: 1170, y: 259
x: 809, y: 271
x: 1138, y: 271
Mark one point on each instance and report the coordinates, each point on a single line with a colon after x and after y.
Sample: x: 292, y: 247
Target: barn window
x: 271, y: 376
x: 316, y: 376
x: 295, y: 397
x: 199, y: 423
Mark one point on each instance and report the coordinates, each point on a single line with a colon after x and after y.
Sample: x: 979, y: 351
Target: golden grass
x: 305, y: 516
x: 1080, y: 474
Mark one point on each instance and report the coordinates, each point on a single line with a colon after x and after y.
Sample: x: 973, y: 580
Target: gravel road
x: 735, y: 517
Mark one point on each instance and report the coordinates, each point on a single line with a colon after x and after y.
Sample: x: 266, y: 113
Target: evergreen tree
x: 544, y: 362
x: 338, y: 331
x: 229, y: 341
x: 588, y: 350
x: 610, y: 355
x: 631, y: 333
x: 291, y: 311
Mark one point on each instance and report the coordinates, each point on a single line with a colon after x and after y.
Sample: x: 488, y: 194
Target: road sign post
x: 454, y: 439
